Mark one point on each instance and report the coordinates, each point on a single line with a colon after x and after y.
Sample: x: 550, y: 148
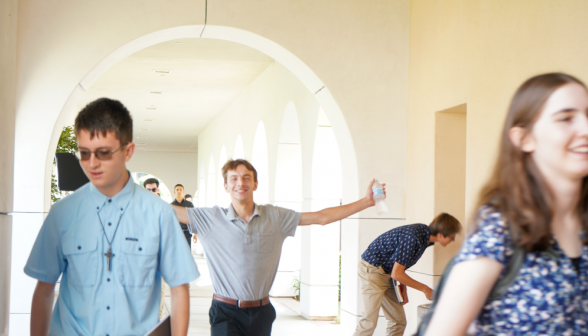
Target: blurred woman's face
x: 558, y: 142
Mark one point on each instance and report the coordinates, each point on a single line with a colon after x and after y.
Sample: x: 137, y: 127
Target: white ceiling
x: 206, y: 76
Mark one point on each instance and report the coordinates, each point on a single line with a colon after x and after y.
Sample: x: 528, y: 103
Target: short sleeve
x: 46, y: 261
x: 201, y: 220
x: 406, y: 248
x: 491, y: 239
x: 176, y: 264
x: 288, y: 219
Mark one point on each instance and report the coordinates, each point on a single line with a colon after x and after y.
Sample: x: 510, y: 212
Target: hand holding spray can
x: 379, y: 197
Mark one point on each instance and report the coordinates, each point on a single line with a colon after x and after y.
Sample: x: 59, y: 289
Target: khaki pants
x: 377, y: 291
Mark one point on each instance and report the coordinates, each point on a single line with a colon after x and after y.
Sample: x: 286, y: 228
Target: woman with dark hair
x: 536, y: 200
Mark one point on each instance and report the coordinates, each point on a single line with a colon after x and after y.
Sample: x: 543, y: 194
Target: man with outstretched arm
x: 386, y: 260
x: 111, y: 242
x: 243, y: 244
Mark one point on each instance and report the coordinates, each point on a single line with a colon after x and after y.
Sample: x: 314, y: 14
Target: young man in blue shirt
x: 111, y: 242
x: 387, y: 258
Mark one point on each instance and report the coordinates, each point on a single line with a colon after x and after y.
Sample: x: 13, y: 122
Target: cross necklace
x: 109, y: 254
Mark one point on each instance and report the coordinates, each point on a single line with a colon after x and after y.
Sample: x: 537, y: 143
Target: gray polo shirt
x: 243, y: 257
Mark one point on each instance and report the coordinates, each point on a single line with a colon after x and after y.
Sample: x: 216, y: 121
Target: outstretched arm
x: 182, y: 214
x: 330, y: 215
x: 42, y: 308
x: 180, y: 310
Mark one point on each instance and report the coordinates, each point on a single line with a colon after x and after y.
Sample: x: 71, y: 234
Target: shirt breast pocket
x: 82, y: 261
x: 138, y: 262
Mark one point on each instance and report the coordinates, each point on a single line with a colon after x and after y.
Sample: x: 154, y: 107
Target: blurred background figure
x: 152, y: 184
x: 188, y: 198
x: 181, y: 201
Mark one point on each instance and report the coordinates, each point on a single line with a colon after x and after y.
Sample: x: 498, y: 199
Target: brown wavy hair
x: 516, y: 188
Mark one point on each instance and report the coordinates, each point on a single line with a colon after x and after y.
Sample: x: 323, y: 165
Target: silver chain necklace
x: 109, y: 254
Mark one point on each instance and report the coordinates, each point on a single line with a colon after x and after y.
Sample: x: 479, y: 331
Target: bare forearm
x: 180, y: 310
x: 404, y: 279
x: 42, y: 307
x: 182, y: 214
x: 330, y: 215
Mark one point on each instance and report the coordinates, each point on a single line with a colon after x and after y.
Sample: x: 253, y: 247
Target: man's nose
x: 94, y: 162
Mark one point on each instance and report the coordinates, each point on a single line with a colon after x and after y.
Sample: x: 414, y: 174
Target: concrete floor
x: 289, y: 322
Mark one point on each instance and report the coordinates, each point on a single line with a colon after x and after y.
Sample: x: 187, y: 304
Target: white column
x: 25, y: 227
x: 319, y: 288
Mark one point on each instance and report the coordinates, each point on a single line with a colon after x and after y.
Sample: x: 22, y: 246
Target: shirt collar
x: 120, y: 200
x: 232, y: 215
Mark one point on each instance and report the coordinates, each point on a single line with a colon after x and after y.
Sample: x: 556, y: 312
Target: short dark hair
x: 233, y: 164
x: 151, y: 180
x: 188, y: 195
x: 106, y: 115
x: 444, y: 224
x: 179, y: 185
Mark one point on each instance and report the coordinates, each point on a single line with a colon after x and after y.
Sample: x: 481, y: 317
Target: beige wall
x: 477, y: 53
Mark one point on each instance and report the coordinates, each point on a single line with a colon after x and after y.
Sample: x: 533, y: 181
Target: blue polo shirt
x: 404, y: 245
x: 148, y: 244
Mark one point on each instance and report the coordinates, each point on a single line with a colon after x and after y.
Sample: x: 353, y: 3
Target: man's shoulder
x: 72, y: 200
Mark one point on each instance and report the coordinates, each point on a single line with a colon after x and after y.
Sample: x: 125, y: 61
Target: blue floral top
x: 548, y: 296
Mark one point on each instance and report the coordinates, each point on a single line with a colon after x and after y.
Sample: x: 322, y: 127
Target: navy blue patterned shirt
x: 404, y: 245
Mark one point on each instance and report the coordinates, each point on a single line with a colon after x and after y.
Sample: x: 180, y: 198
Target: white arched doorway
x: 239, y: 152
x: 259, y: 161
x: 222, y: 197
x: 211, y: 183
x: 33, y: 163
x: 288, y: 194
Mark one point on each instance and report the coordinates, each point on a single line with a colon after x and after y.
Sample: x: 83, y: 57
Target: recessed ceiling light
x: 178, y: 42
x: 143, y: 138
x: 156, y: 92
x: 162, y: 71
x: 144, y: 129
x: 140, y: 144
x: 151, y: 108
x: 148, y: 119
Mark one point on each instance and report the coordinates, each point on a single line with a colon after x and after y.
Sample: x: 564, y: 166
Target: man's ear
x: 521, y: 139
x: 255, y: 186
x: 130, y: 149
x: 226, y: 188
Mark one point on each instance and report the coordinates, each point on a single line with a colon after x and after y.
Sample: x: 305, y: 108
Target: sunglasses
x: 102, y: 154
x: 152, y: 190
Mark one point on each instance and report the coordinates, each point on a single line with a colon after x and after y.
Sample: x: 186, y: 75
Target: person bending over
x: 385, y: 262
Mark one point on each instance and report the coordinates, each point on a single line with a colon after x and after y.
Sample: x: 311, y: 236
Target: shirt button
x: 107, y: 307
x: 97, y: 207
x: 79, y: 247
x: 140, y: 249
x: 109, y: 224
x: 109, y: 200
x: 108, y: 279
x: 121, y: 209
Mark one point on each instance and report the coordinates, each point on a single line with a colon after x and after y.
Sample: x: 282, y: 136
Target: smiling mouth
x: 582, y: 150
x: 95, y: 175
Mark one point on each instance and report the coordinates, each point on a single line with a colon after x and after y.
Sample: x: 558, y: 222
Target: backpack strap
x: 500, y: 287
x: 512, y: 270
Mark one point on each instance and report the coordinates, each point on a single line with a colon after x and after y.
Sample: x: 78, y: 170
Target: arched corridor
x: 322, y: 96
